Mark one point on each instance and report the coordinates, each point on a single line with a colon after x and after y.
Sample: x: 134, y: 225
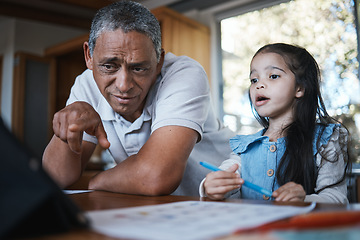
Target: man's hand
x: 70, y: 123
x: 217, y: 184
x: 290, y: 192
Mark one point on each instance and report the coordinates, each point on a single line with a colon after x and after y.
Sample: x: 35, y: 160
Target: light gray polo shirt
x: 180, y: 96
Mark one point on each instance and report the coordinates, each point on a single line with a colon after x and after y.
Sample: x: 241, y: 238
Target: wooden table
x: 99, y: 200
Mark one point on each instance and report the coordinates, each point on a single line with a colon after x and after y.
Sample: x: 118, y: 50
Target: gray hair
x: 128, y: 16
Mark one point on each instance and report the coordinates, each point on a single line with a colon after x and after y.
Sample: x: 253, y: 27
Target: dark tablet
x: 31, y: 204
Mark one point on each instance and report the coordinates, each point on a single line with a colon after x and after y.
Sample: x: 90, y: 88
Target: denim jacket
x: 260, y: 158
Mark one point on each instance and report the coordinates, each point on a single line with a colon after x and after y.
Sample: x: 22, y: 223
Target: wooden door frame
x: 18, y: 97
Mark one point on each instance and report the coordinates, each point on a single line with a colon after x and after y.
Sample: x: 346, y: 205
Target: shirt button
x: 272, y: 148
x: 266, y: 197
x: 270, y: 172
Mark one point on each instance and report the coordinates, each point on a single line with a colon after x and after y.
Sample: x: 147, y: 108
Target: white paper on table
x: 76, y: 191
x: 188, y: 219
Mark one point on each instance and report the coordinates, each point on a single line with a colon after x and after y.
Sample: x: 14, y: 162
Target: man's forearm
x: 131, y: 177
x: 157, y: 169
x: 63, y: 165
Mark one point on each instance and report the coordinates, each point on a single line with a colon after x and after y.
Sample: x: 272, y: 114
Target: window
x: 326, y: 28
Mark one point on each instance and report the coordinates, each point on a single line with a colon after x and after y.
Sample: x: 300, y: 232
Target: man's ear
x: 88, y: 58
x: 300, y: 91
x: 161, y: 61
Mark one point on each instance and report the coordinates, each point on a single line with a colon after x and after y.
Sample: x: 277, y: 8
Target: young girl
x: 301, y: 154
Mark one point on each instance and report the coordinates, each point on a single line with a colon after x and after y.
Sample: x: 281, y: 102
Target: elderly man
x: 150, y: 110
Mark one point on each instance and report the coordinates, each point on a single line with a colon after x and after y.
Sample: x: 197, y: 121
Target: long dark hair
x: 298, y: 163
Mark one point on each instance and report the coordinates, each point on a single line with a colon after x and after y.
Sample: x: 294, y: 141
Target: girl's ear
x: 300, y: 91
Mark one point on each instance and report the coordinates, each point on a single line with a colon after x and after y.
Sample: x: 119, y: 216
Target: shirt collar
x: 105, y: 110
x: 240, y: 143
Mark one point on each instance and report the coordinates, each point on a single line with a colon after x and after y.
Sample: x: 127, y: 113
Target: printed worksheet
x: 187, y: 220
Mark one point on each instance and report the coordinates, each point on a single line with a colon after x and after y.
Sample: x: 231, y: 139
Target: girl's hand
x: 218, y: 183
x: 290, y: 192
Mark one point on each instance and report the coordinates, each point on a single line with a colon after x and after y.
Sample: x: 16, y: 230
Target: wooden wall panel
x: 184, y: 36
